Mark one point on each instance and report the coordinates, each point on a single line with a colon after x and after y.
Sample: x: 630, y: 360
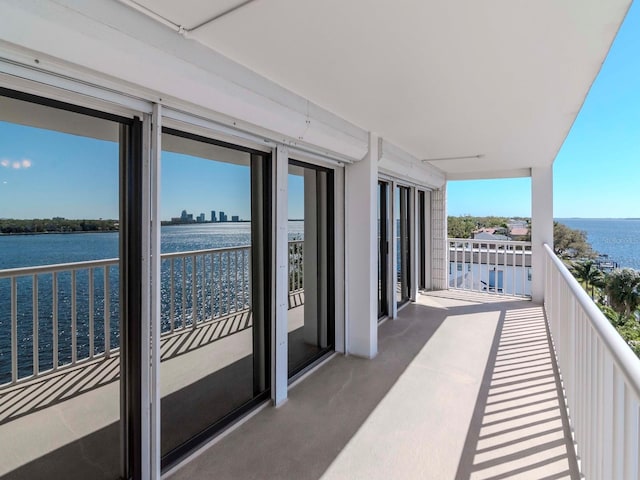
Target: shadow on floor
x: 184, y: 414
x: 302, y: 438
x: 95, y: 457
x: 51, y: 389
x: 519, y: 425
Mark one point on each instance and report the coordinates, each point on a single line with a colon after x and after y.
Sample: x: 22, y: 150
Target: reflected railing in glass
x: 58, y: 314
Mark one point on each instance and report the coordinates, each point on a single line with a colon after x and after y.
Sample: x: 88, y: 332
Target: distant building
x: 200, y: 218
x: 519, y: 233
x: 184, y: 216
x: 490, y: 231
x: 489, y: 236
x: 223, y: 217
x: 213, y: 216
x: 235, y: 218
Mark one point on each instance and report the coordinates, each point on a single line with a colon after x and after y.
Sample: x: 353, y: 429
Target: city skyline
x: 217, y: 216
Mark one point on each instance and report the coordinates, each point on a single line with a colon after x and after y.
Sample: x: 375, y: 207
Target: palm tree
x: 588, y: 273
x: 623, y: 290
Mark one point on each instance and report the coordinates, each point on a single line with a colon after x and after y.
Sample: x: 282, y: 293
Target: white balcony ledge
x: 464, y: 386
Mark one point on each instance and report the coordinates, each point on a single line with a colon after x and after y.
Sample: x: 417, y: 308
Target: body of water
x: 229, y: 290
x: 617, y: 238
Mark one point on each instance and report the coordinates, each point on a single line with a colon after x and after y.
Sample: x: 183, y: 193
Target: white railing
x: 600, y: 375
x: 296, y: 267
x: 204, y: 285
x: 55, y: 287
x: 60, y: 315
x: 492, y: 266
x: 296, y: 273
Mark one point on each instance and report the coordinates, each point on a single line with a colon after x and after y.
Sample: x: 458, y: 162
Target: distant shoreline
x: 55, y: 233
x: 596, y: 218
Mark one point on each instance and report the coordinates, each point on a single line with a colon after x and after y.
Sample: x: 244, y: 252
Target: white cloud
x: 16, y: 164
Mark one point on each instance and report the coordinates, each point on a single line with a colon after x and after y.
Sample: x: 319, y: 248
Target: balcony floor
x: 463, y: 387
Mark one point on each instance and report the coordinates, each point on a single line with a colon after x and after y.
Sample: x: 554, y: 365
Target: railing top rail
x: 203, y: 252
x: 622, y: 355
x: 491, y: 242
x: 60, y: 267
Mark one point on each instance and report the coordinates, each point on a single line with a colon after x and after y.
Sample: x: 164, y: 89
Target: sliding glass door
x: 311, y: 280
x: 383, y: 248
x: 422, y: 239
x: 403, y: 244
x: 215, y: 295
x: 69, y: 316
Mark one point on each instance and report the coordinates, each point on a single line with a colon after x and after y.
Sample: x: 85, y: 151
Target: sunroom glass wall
x: 214, y: 337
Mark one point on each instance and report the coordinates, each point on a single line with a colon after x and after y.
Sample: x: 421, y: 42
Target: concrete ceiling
x: 503, y: 79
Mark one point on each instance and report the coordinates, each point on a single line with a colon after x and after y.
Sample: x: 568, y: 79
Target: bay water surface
x: 20, y: 251
x: 617, y: 238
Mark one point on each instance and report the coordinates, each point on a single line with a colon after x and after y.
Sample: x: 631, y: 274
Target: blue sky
x: 46, y: 174
x: 597, y: 171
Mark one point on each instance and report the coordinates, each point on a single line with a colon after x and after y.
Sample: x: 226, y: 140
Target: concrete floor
x: 71, y: 415
x: 463, y: 387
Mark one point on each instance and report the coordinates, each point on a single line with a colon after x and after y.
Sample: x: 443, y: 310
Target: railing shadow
x: 519, y: 424
x: 48, y: 390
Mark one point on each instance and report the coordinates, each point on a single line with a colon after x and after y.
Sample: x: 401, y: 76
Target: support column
x: 279, y: 371
x: 541, y: 226
x: 361, y: 255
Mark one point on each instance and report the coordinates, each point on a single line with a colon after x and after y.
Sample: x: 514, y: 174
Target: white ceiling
x: 503, y: 79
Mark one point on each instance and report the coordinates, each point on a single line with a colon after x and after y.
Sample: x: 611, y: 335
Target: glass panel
x: 422, y: 249
x: 59, y: 326
x: 310, y: 316
x: 382, y: 249
x: 403, y: 244
x: 210, y: 366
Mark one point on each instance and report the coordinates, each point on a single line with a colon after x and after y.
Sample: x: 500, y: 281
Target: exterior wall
x: 117, y: 91
x: 439, y: 267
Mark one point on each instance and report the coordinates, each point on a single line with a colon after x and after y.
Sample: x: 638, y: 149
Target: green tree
x: 623, y: 290
x: 587, y: 272
x: 570, y: 243
x: 461, y: 227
